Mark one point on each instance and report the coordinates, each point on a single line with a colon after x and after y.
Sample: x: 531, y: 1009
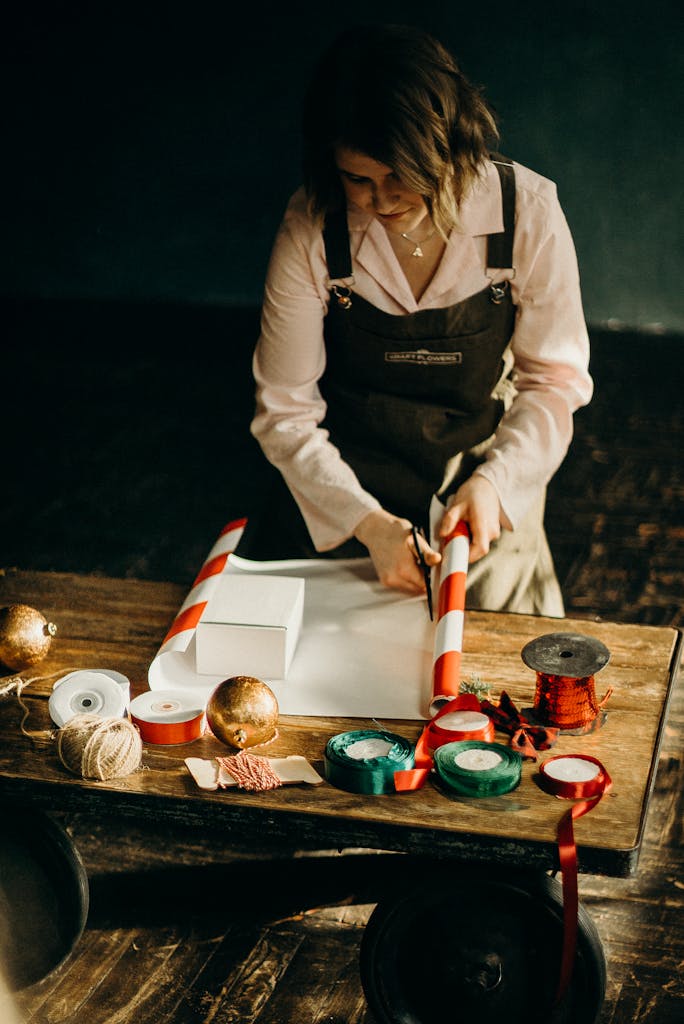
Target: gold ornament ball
x: 242, y: 712
x: 25, y: 636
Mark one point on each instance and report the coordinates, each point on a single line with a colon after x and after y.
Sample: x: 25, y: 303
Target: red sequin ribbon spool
x: 584, y: 779
x: 566, y: 664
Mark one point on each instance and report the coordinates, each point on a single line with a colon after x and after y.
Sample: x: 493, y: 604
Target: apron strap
x: 500, y: 244
x: 336, y: 241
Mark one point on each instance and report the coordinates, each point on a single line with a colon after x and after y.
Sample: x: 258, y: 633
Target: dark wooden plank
x: 322, y: 982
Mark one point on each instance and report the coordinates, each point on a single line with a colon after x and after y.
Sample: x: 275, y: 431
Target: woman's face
x: 374, y: 188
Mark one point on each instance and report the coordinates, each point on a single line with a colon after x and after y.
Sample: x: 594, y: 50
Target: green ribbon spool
x: 348, y: 766
x: 475, y: 768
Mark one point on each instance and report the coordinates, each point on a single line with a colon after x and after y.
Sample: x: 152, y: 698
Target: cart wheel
x: 478, y: 947
x: 43, y: 897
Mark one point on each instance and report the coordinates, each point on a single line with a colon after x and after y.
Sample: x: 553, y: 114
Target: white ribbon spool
x: 85, y: 692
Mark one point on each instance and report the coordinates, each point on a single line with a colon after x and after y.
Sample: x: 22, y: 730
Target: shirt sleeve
x: 289, y: 361
x: 550, y: 347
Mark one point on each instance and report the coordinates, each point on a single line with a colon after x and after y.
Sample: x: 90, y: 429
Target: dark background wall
x: 146, y: 155
x: 148, y: 152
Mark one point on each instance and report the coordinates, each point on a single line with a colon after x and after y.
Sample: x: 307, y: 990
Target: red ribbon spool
x: 466, y: 713
x: 433, y: 736
x: 582, y: 778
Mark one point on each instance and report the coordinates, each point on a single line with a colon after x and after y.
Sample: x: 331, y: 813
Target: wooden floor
x: 122, y: 459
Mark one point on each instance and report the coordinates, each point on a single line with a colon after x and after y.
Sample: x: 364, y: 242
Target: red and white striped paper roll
x: 190, y: 612
x: 448, y: 644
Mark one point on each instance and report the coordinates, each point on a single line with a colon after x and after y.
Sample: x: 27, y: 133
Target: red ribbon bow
x: 526, y: 737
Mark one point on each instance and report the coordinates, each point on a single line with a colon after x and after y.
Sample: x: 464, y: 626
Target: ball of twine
x: 99, y: 748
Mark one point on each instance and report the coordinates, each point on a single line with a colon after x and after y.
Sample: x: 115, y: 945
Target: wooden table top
x: 119, y: 624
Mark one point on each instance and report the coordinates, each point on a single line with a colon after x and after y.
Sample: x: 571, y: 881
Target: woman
x: 422, y: 330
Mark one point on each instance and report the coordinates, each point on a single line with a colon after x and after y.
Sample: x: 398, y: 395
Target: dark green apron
x: 405, y: 394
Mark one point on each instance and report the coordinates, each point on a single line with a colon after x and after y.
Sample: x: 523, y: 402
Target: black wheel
x: 43, y: 897
x: 481, y: 946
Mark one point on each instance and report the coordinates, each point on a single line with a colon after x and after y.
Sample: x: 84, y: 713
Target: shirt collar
x: 480, y: 215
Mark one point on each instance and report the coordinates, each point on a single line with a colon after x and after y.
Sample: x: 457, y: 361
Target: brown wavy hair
x: 395, y: 93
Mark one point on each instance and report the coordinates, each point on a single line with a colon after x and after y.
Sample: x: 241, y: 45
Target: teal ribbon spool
x: 358, y: 774
x: 476, y: 768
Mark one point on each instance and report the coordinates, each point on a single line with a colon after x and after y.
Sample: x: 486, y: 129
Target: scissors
x: 425, y: 568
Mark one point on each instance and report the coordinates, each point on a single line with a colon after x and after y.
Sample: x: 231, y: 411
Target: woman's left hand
x: 477, y: 503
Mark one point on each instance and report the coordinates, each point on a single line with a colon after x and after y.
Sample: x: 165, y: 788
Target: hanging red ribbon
x: 582, y: 778
x: 526, y: 737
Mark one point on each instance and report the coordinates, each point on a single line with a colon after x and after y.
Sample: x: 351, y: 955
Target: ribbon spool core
x: 571, y: 769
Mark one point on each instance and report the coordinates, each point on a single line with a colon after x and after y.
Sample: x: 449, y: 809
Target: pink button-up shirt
x: 549, y: 349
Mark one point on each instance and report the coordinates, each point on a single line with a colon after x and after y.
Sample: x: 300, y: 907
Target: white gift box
x: 250, y: 626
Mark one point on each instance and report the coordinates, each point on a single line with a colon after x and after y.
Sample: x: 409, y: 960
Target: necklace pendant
x: 417, y: 250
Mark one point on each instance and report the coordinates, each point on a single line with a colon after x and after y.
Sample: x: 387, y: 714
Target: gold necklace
x: 418, y: 251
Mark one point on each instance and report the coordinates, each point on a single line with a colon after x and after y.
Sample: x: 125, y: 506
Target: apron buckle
x: 497, y: 292
x: 343, y: 295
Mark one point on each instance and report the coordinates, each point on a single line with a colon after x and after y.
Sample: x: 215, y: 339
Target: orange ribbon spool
x: 168, y: 716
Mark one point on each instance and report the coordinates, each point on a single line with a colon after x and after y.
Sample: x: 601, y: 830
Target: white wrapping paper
x: 364, y: 651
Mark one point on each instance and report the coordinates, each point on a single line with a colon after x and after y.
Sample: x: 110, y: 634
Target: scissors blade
x: 425, y: 570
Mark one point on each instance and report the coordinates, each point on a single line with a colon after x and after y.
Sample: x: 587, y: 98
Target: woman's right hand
x: 390, y: 545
